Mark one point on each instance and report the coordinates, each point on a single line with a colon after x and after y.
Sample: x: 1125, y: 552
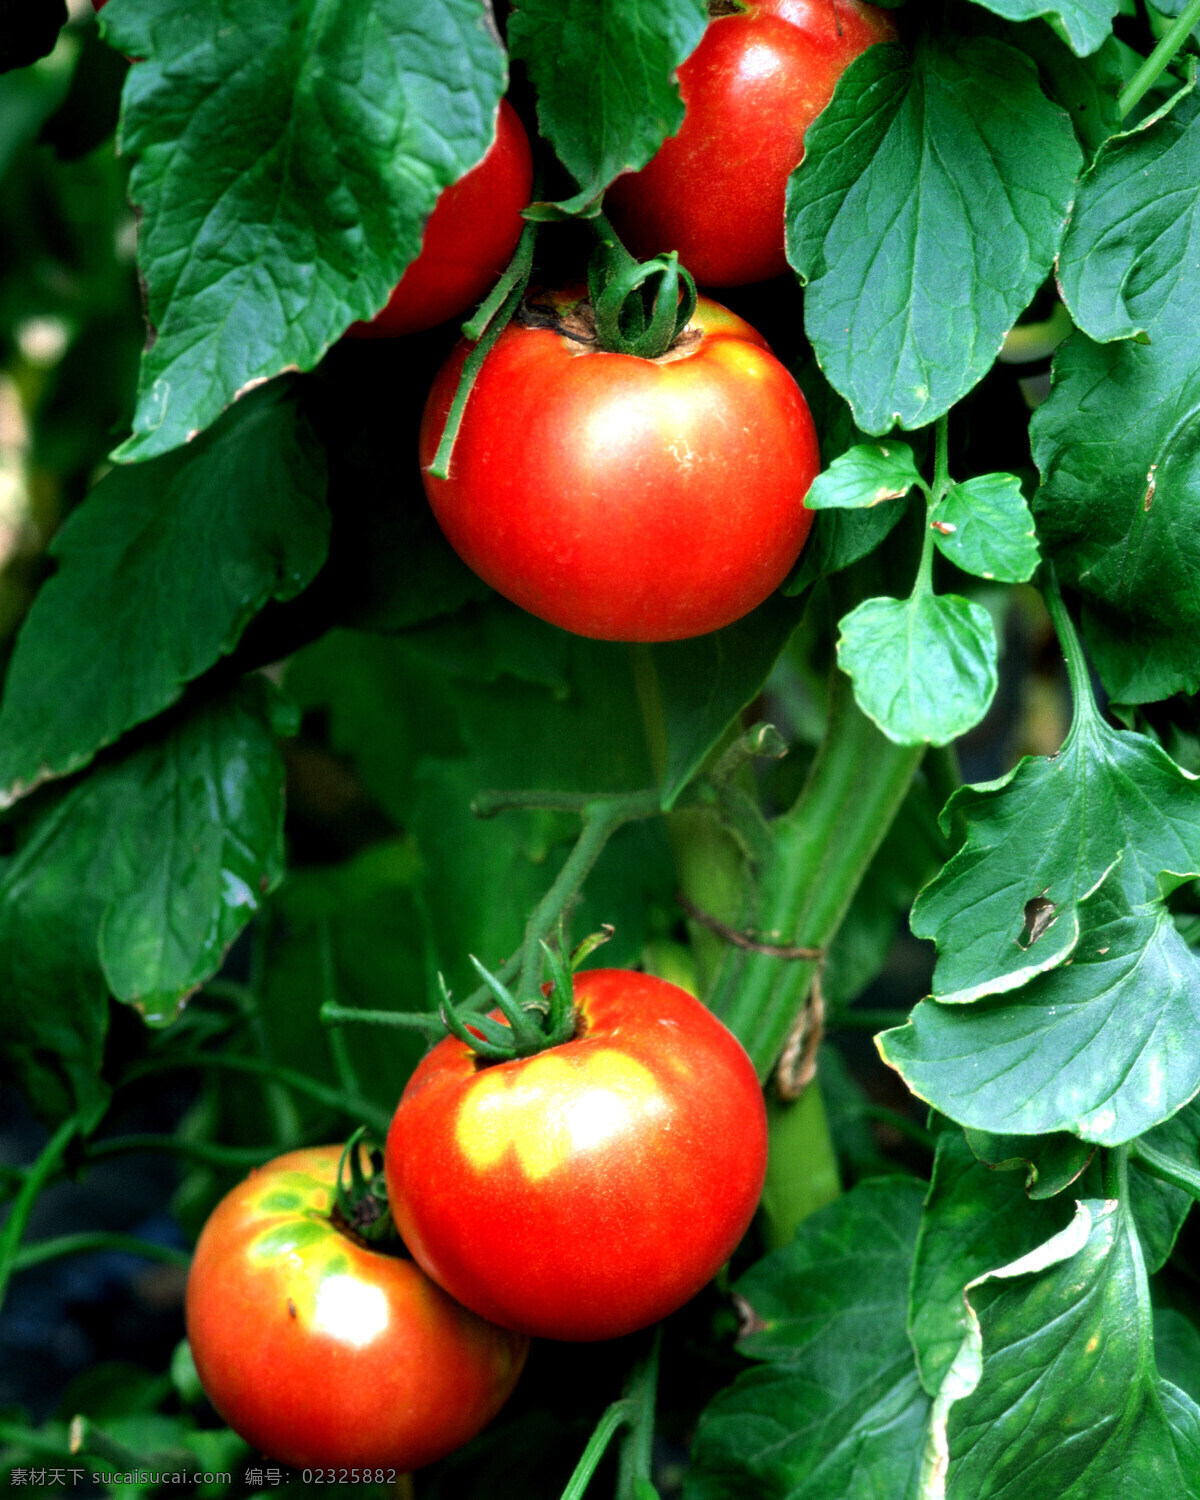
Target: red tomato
x: 322, y: 1352
x: 469, y: 238
x: 623, y: 498
x: 593, y: 1188
x: 715, y: 192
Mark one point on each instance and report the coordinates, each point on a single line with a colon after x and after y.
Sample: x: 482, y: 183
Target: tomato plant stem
x: 605, y: 1430
x: 1167, y: 1168
x: 347, y: 1104
x: 1072, y: 648
x: 517, y: 279
x: 1160, y: 59
x: 41, y: 1251
x: 637, y: 1449
x: 602, y: 816
x: 14, y: 1226
x: 820, y: 850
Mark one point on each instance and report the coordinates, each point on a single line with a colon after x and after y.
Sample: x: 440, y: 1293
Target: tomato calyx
x: 360, y: 1206
x: 546, y: 1020
x: 640, y: 307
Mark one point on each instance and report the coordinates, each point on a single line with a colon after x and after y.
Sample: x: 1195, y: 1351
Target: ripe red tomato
x: 760, y: 76
x: 623, y: 498
x: 469, y: 238
x: 593, y: 1188
x: 322, y: 1352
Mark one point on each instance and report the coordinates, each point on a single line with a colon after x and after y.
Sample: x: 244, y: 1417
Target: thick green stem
x: 18, y: 1218
x: 1160, y: 59
x: 637, y: 1448
x: 802, y: 1170
x: 821, y: 849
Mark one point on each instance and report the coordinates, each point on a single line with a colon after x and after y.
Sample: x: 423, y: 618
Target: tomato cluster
x: 580, y: 1193
x: 590, y: 1188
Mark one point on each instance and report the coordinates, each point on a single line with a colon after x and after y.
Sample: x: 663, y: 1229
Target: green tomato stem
x: 517, y: 279
x: 88, y: 1243
x: 1083, y: 702
x: 602, y: 816
x: 355, y: 1107
x: 616, y: 1417
x: 42, y: 1170
x: 1160, y: 59
x: 637, y: 1448
x: 821, y: 849
x: 1166, y: 1168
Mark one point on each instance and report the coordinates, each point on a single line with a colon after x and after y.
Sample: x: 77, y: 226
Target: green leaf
x: 704, y: 683
x: 1087, y: 24
x: 984, y: 526
x: 1086, y: 87
x: 1118, y: 440
x: 975, y: 1219
x: 240, y: 516
x: 838, y: 1409
x: 1099, y: 1046
x: 201, y: 820
x: 839, y: 538
x: 924, y: 668
x: 353, y: 933
x: 1038, y: 840
x: 1068, y: 1401
x: 969, y: 168
x: 604, y: 74
x: 286, y: 154
x: 138, y: 876
x: 864, y: 476
x: 1051, y: 1162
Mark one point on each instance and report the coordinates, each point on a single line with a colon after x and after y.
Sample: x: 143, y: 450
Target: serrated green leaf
x: 142, y: 872
x: 201, y: 843
x: 924, y: 669
x: 1068, y: 1401
x: 240, y: 515
x: 975, y: 1219
x: 1087, y: 24
x: 864, y: 476
x: 1118, y: 440
x: 1098, y: 1047
x: 985, y: 527
x: 970, y: 168
x: 838, y: 1409
x: 1046, y: 834
x: 286, y: 154
x: 604, y: 73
